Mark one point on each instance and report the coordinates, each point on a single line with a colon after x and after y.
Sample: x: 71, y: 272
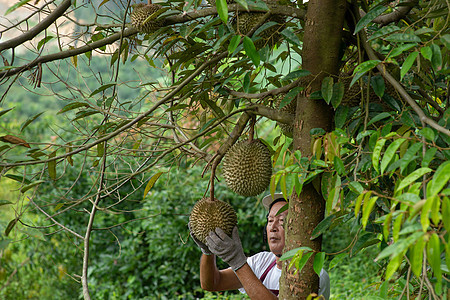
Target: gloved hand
x: 228, y: 249
x: 202, y: 246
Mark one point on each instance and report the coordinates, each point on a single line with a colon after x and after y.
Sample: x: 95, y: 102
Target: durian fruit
x: 245, y: 21
x: 352, y: 95
x: 286, y: 129
x: 207, y: 215
x: 247, y: 167
x: 141, y: 12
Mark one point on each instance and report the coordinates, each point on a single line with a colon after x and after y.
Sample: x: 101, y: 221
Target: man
x: 258, y: 275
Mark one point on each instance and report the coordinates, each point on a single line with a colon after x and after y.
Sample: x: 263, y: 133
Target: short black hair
x: 276, y: 201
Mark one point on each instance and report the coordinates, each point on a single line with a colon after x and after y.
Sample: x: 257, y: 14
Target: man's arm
x: 230, y: 250
x: 252, y: 285
x: 213, y: 279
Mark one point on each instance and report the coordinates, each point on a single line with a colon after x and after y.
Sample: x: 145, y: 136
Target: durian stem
x: 211, y: 188
x: 149, y: 1
x: 251, y: 132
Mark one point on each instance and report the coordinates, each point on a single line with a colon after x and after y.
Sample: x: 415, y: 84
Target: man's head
x: 275, y: 221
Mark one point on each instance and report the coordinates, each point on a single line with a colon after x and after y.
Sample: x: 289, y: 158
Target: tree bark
x: 322, y: 39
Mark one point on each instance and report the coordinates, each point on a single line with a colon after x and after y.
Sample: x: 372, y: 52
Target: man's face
x: 275, y: 230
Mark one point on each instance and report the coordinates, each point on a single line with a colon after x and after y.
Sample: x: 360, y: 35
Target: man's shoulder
x: 262, y: 257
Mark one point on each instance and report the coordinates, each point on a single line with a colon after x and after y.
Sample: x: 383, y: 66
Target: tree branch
x: 273, y: 92
x: 41, y: 26
x: 182, y: 18
x: 400, y: 89
x: 399, y: 13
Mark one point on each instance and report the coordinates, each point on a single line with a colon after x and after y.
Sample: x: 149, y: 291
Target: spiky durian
x: 247, y: 167
x: 286, y: 129
x: 207, y: 215
x: 140, y: 14
x: 352, y: 95
x: 245, y: 21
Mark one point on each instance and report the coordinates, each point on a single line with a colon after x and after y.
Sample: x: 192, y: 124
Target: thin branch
x: 41, y: 26
x: 84, y: 276
x: 401, y: 90
x: 54, y: 221
x: 399, y: 13
x: 183, y: 83
x: 273, y: 92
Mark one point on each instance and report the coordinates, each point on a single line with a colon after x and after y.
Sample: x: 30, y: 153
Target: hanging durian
x: 286, y: 129
x: 247, y: 167
x: 144, y: 17
x: 207, y: 215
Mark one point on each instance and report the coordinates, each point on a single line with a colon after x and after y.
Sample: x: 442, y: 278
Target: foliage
x: 384, y: 165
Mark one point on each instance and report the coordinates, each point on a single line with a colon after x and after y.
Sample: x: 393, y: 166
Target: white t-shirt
x: 261, y: 261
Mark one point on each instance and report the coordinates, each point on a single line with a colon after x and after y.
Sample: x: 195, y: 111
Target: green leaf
x: 339, y: 165
x: 434, y: 257
x: 403, y: 38
x: 412, y: 177
x: 319, y: 259
x: 363, y: 68
x: 18, y: 178
x: 440, y: 179
x: 378, y: 85
x: 377, y: 153
x: 407, y: 64
x: 389, y: 153
x: 5, y: 111
x: 44, y: 41
x: 291, y: 37
x: 52, y: 166
x: 222, y: 10
x: 29, y: 121
x: 379, y: 117
x: 151, y: 182
x: 102, y: 88
x: 445, y: 39
x: 27, y: 187
x: 393, y: 265
x: 296, y: 74
x: 290, y: 96
x: 428, y: 133
x: 337, y: 259
x: 367, y: 18
x: 416, y: 257
x: 291, y: 253
x: 250, y: 50
x: 235, y: 40
x: 302, y: 262
x: 397, y: 248
x: 426, y: 52
x: 338, y: 94
x: 367, y: 209
x: 436, y: 59
x: 11, y: 225
x: 16, y: 6
x: 243, y: 3
x: 72, y: 106
x: 327, y: 89
x: 400, y: 49
x: 322, y: 226
x: 356, y: 187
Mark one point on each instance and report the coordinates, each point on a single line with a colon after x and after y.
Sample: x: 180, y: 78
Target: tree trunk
x: 322, y: 39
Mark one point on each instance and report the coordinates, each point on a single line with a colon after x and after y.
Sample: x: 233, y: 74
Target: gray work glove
x: 228, y: 249
x: 202, y: 246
